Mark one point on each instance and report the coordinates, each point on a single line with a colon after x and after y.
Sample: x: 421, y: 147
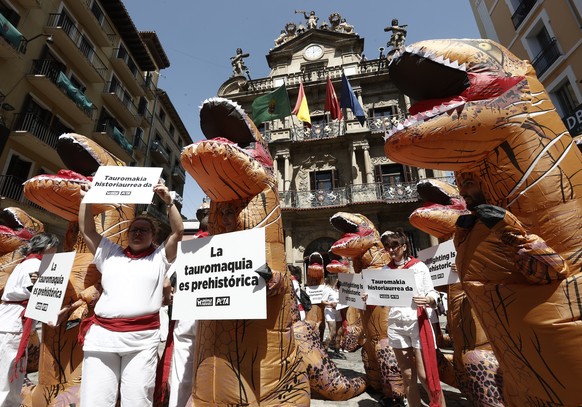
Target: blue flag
x: 350, y: 100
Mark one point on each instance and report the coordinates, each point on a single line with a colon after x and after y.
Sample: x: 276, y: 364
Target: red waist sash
x: 142, y: 323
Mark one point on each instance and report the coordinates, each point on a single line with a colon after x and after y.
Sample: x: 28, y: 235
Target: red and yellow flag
x: 301, y: 108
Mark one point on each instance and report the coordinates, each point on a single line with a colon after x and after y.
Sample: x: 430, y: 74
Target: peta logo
x: 204, y: 302
x: 222, y: 301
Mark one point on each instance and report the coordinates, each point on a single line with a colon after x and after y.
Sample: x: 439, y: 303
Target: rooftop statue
x: 398, y: 34
x: 238, y: 63
x: 312, y: 19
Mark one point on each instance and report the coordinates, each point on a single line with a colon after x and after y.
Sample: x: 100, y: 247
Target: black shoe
x: 392, y: 402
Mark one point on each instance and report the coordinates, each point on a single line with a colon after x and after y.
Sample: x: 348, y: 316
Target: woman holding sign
x: 14, y: 327
x: 121, y: 339
x: 409, y: 328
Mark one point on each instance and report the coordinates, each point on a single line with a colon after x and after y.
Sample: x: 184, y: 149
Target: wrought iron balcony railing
x: 31, y: 123
x: 547, y: 56
x: 521, y: 12
x: 79, y: 39
x: 11, y: 187
x: 359, y: 193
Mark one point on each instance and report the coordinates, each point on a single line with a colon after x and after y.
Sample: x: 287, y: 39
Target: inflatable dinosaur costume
x: 482, y: 112
x: 361, y: 242
x: 61, y: 356
x: 251, y: 362
x: 16, y: 229
x: 476, y: 368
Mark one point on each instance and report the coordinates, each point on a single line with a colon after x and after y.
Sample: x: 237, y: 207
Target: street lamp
x: 49, y: 40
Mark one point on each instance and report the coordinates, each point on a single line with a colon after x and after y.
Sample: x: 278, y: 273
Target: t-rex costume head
x: 482, y: 112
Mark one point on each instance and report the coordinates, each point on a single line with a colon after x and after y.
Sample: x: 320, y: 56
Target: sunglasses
x: 139, y: 230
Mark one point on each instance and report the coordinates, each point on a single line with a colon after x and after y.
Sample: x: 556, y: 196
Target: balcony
x: 139, y: 146
x: 547, y: 56
x: 380, y: 125
x: 32, y: 133
x: 114, y: 141
x: 128, y: 71
x: 91, y: 18
x: 374, y: 67
x: 521, y: 12
x: 120, y: 102
x: 159, y: 153
x: 12, y: 42
x: 28, y: 3
x: 48, y: 79
x: 11, y: 188
x: 178, y: 173
x: 362, y: 193
x: 319, y: 131
x: 76, y: 47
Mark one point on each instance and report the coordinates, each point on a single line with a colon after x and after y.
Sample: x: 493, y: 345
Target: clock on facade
x: 313, y: 52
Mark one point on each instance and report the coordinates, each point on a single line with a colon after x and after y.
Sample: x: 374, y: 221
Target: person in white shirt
x: 332, y: 315
x: 121, y: 339
x: 13, y: 326
x: 404, y: 334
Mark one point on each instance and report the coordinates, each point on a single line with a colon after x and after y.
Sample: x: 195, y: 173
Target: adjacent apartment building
x: 81, y: 66
x: 334, y: 165
x: 549, y: 34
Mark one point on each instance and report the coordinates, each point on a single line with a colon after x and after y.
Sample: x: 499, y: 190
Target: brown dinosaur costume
x: 16, y: 229
x: 361, y: 243
x: 315, y: 277
x: 351, y: 331
x: 61, y: 357
x: 476, y: 368
x: 482, y: 112
x: 251, y: 362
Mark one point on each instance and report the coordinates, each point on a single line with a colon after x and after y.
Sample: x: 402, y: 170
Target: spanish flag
x: 301, y: 109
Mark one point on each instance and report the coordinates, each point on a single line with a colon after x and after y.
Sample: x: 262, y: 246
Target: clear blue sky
x: 199, y: 38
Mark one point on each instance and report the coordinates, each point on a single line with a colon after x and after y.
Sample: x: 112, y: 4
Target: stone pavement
x: 352, y: 366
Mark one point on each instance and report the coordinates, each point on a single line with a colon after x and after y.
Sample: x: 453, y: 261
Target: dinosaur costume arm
x: 539, y: 263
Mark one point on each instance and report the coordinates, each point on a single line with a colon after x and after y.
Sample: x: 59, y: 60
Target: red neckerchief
x: 411, y: 262
x: 145, y: 253
x: 20, y: 357
x: 201, y: 233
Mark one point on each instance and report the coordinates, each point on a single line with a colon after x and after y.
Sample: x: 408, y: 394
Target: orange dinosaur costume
x: 252, y: 362
x: 476, y: 368
x: 361, y: 242
x: 482, y: 112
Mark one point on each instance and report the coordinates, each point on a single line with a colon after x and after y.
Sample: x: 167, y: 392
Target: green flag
x: 274, y: 105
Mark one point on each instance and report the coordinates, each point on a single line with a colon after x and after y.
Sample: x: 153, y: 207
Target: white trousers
x: 134, y: 373
x: 9, y: 392
x: 182, y: 371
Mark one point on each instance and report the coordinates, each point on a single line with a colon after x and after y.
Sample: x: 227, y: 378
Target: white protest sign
x: 113, y: 184
x: 389, y: 287
x: 351, y: 290
x: 46, y: 298
x: 439, y: 260
x: 315, y: 293
x: 216, y: 278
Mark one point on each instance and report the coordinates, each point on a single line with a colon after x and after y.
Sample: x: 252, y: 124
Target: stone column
x: 354, y: 165
x: 288, y: 172
x: 289, y: 246
x: 368, y: 165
